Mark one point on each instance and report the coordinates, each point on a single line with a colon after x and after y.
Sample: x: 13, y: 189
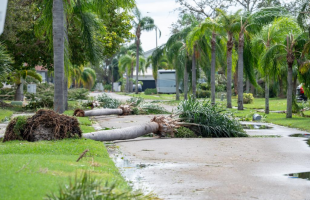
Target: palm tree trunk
x: 267, y: 94
x: 131, y: 80
x: 185, y: 82
x: 58, y: 48
x: 177, y: 91
x: 247, y: 90
x: 289, y: 91
x: 19, y: 93
x: 127, y: 80
x: 124, y: 133
x: 194, y: 74
x: 137, y: 64
x: 230, y: 45
x: 213, y: 57
x: 66, y: 93
x: 240, y: 71
x: 100, y: 112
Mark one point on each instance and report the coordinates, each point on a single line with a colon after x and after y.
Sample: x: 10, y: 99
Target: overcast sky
x: 164, y: 14
x: 162, y: 11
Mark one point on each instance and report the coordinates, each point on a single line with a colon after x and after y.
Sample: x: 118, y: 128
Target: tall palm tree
x: 270, y: 35
x: 127, y: 63
x: 209, y: 27
x: 141, y: 24
x: 54, y: 14
x: 229, y: 22
x: 251, y: 23
x: 286, y: 53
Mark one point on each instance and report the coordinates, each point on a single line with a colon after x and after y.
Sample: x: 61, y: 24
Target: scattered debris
x: 82, y: 155
x: 44, y: 125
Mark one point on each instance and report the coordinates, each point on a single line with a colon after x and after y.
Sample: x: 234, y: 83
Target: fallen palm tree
x: 204, y: 119
x: 133, y: 106
x: 159, y: 125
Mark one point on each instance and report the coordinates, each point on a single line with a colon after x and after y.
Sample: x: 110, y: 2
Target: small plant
x: 247, y: 98
x: 184, y: 132
x: 43, y: 102
x: 108, y: 87
x: 20, y: 124
x: 87, y: 187
x: 150, y: 91
x: 108, y: 102
x: 203, y: 93
x: 78, y: 94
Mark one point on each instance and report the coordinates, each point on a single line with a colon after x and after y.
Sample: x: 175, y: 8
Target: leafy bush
x: 108, y: 102
x: 78, y: 93
x: 203, y: 93
x: 247, y: 98
x: 150, y: 91
x: 204, y: 86
x: 220, y: 88
x: 108, y: 87
x: 208, y: 120
x: 87, y: 187
x: 43, y: 102
x: 184, y: 132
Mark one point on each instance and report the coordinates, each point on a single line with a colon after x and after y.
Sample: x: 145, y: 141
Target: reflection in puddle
x: 302, y: 175
x: 300, y: 135
x: 255, y: 126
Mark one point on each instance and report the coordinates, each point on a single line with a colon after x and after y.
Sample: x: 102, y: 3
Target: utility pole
x: 156, y: 35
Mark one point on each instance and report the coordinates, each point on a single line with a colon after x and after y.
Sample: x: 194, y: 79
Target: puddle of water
x: 255, y: 126
x: 302, y: 175
x: 300, y: 135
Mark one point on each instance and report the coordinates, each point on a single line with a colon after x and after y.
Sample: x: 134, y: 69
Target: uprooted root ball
x: 44, y: 125
x: 79, y: 113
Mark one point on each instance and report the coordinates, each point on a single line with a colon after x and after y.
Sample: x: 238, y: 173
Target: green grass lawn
x: 5, y: 114
x: 30, y: 170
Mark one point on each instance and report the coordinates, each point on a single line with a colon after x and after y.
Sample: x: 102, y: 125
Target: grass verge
x: 32, y: 170
x: 5, y: 114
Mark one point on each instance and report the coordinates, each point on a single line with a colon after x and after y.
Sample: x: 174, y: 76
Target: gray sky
x: 162, y: 11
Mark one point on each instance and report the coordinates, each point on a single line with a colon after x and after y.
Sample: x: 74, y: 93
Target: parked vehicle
x: 300, y: 93
x: 166, y: 81
x: 139, y: 88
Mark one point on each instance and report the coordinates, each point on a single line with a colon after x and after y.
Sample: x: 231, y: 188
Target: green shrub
x: 78, y: 94
x: 203, y: 93
x: 247, y: 98
x: 107, y: 87
x: 150, y: 91
x: 220, y: 88
x: 43, y: 102
x: 89, y: 187
x: 208, y: 120
x: 184, y: 132
x: 204, y: 86
x: 108, y: 102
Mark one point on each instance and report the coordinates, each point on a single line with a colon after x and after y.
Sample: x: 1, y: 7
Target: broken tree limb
x: 103, y: 112
x: 124, y: 133
x: 122, y: 110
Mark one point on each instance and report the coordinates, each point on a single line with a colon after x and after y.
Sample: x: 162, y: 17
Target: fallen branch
x: 82, y: 155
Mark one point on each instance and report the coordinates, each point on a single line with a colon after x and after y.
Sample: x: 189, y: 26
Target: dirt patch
x: 44, y: 125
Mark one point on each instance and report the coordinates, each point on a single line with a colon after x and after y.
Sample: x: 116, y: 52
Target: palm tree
x: 17, y: 76
x: 251, y: 23
x: 127, y: 62
x: 141, y: 24
x: 270, y: 35
x: 230, y: 25
x: 206, y: 29
x: 285, y: 52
